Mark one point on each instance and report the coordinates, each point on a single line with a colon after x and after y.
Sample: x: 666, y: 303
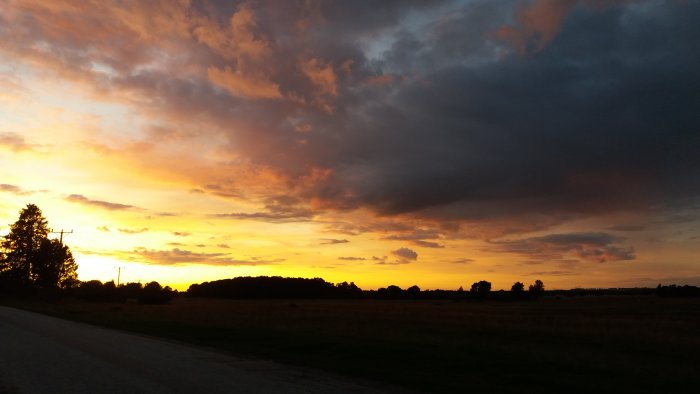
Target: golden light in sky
x: 435, y: 144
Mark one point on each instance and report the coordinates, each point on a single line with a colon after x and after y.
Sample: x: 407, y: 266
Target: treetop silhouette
x: 30, y: 260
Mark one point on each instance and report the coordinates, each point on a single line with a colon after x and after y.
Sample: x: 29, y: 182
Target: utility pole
x: 60, y: 239
x: 119, y: 274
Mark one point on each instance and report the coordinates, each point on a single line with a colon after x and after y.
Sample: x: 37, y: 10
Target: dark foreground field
x: 599, y: 344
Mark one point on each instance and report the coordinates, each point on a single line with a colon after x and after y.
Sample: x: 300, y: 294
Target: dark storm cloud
x: 601, y: 118
x: 479, y: 110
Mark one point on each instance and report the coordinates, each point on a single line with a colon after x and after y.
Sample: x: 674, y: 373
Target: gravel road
x: 42, y: 354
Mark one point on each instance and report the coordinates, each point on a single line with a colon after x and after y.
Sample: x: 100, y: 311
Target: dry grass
x: 621, y: 344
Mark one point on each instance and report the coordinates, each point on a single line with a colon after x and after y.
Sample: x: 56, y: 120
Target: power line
x: 60, y: 239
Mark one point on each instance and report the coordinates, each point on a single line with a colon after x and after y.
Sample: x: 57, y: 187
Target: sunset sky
x: 435, y: 143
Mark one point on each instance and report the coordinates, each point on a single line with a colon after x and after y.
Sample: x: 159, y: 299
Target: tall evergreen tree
x: 31, y: 259
x: 22, y: 244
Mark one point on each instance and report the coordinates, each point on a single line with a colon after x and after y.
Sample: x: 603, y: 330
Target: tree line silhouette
x: 151, y: 293
x: 677, y: 291
x: 31, y: 263
x: 267, y: 287
x: 273, y: 287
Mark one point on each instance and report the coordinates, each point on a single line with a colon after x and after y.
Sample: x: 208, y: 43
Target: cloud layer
x: 490, y: 117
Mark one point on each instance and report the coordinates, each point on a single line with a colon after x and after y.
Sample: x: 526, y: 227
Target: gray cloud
x: 180, y: 256
x: 405, y: 254
x: 418, y: 237
x: 332, y: 241
x: 463, y: 261
x: 80, y: 199
x: 627, y: 227
x: 277, y: 209
x: 427, y: 244
x: 598, y: 247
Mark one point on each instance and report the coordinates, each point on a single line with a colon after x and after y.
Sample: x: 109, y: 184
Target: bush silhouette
x: 536, y: 289
x: 480, y: 289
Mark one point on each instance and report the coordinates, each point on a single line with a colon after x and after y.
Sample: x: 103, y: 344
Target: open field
x: 622, y: 344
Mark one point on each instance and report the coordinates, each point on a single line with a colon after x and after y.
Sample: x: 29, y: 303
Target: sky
x: 382, y: 142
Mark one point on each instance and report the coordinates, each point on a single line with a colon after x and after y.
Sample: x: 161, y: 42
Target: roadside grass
x: 601, y: 344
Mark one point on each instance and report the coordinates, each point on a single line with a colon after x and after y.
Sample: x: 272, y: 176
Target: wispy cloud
x: 427, y: 244
x: 14, y: 142
x: 418, y: 237
x: 331, y: 241
x: 598, y: 247
x: 133, y: 231
x: 13, y: 189
x: 80, y: 199
x: 627, y: 227
x: 277, y: 209
x: 177, y: 256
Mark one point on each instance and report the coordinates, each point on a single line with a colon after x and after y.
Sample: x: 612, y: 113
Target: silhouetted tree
x: 30, y: 259
x: 92, y: 290
x: 54, y: 266
x: 21, y: 246
x: 413, y: 291
x: 394, y: 291
x: 536, y: 289
x: 481, y: 289
x: 154, y: 293
x: 517, y: 291
x: 347, y: 290
x: 131, y: 290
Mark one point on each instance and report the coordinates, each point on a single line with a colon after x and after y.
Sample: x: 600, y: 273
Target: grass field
x: 584, y: 344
